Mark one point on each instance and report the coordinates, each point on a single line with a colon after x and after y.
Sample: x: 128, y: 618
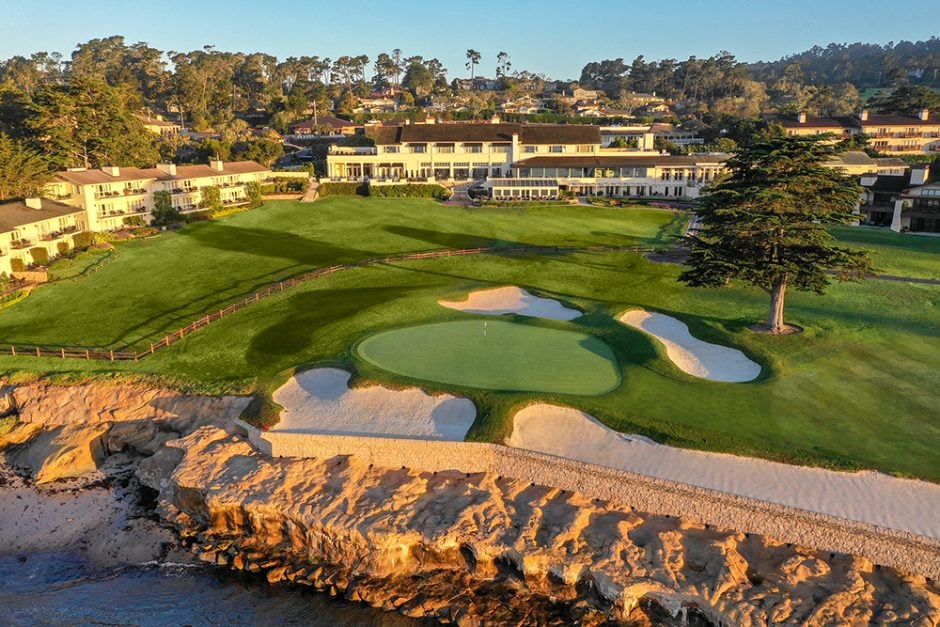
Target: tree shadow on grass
x: 301, y: 251
x: 293, y: 335
x: 441, y: 239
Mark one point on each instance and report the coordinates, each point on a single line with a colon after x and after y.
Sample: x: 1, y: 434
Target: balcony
x: 184, y: 190
x: 20, y: 244
x: 353, y: 150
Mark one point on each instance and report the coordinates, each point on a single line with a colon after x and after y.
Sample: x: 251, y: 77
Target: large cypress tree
x: 767, y: 223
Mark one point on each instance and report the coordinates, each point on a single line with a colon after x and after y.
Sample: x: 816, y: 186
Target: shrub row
x: 344, y: 189
x: 286, y: 186
x: 409, y: 190
x: 403, y: 190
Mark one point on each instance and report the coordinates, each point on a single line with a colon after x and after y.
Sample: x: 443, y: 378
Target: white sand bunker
x: 870, y: 497
x: 320, y: 401
x: 511, y: 299
x: 692, y: 355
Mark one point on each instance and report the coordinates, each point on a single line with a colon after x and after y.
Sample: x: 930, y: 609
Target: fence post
x: 181, y: 333
x: 37, y: 352
x: 87, y: 354
x: 63, y: 353
x: 111, y: 354
x: 151, y: 348
x: 13, y: 350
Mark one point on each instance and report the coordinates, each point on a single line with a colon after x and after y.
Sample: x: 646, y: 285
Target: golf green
x: 498, y: 356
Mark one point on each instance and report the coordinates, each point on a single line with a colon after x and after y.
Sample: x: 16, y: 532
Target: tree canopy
x: 23, y: 171
x: 766, y: 223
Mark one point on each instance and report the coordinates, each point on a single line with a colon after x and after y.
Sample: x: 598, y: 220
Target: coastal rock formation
x: 67, y: 431
x: 485, y: 548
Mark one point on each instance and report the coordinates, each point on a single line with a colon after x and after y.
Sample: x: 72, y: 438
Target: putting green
x: 509, y: 356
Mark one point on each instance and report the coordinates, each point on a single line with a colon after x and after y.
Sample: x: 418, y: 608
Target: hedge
x: 404, y: 190
x: 82, y: 240
x: 40, y: 255
x: 409, y: 190
x: 286, y: 186
x: 13, y: 298
x: 344, y: 189
x: 63, y: 248
x: 17, y: 265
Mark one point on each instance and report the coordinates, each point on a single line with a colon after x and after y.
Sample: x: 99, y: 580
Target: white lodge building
x: 521, y: 161
x: 111, y: 194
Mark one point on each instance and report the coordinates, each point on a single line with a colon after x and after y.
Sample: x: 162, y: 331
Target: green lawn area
x: 501, y: 355
x: 164, y: 283
x: 858, y: 389
x: 894, y: 253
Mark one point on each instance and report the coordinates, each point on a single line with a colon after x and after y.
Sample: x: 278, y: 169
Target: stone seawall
x: 901, y: 550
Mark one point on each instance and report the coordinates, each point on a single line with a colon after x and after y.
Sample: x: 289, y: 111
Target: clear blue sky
x: 549, y: 36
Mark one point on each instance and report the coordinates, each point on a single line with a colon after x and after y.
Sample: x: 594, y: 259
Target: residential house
x: 892, y: 134
x: 900, y: 134
x: 36, y: 222
x: 158, y: 126
x: 802, y: 125
x: 324, y: 126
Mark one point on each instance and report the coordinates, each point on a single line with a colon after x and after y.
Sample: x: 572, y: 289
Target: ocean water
x: 62, y: 589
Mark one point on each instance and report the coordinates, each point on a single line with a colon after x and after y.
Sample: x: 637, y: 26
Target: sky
x: 553, y: 37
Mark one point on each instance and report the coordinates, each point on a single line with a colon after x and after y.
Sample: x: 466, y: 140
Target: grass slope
x: 858, y: 389
x: 893, y: 253
x: 161, y: 284
x: 502, y: 356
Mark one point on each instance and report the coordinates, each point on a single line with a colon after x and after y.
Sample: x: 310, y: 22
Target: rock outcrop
x: 68, y: 431
x: 484, y: 548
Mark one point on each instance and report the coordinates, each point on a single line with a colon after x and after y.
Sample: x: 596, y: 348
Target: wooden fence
x: 105, y: 354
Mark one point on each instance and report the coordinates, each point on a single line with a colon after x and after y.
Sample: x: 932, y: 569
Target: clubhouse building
x: 892, y: 134
x: 521, y: 161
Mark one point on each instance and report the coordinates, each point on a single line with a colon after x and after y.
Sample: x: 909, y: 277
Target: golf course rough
x: 497, y: 355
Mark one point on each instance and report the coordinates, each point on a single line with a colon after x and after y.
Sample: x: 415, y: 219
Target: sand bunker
x: 512, y: 299
x: 699, y: 359
x: 868, y: 496
x: 320, y: 401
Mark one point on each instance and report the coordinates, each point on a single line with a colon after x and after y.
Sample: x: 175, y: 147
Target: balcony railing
x: 20, y: 244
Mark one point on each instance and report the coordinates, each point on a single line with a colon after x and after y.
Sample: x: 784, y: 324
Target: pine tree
x: 766, y: 223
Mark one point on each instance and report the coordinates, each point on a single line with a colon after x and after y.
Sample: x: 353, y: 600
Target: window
x: 476, y: 148
x: 556, y: 149
x: 585, y: 148
x: 419, y: 148
x: 530, y: 149
x: 391, y: 148
x: 445, y: 148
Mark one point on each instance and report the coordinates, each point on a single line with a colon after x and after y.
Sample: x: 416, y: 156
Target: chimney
x: 169, y: 168
x: 802, y: 117
x: 430, y: 120
x: 495, y: 119
x: 33, y: 203
x: 112, y: 170
x: 864, y: 116
x: 924, y: 114
x: 216, y: 164
x: 919, y: 174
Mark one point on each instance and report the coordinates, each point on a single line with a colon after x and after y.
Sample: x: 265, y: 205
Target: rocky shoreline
x: 465, y: 549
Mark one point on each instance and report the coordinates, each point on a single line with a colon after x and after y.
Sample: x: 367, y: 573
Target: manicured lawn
x: 894, y: 253
x: 161, y: 284
x: 501, y: 355
x: 858, y: 389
